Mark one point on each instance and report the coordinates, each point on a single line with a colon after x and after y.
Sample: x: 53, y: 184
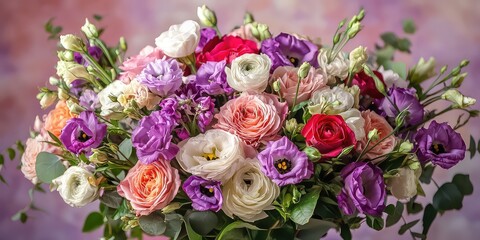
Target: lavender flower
x: 440, y: 144
x: 94, y: 51
x: 89, y: 100
x: 82, y: 134
x: 206, y: 34
x: 205, y: 112
x: 364, y: 189
x: 77, y: 86
x: 162, y: 76
x: 403, y: 98
x: 288, y: 50
x: 169, y: 108
x: 152, y: 138
x: 212, y: 79
x: 206, y: 195
x: 284, y: 163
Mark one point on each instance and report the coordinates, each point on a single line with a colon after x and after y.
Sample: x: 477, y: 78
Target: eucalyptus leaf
x: 236, y: 225
x: 395, y: 216
x: 303, y: 211
x: 409, y: 26
x: 299, y: 106
x: 463, y: 183
x: 2, y: 159
x: 111, y: 199
x: 11, y: 153
x: 376, y: 223
x: 472, y: 147
x: 407, y: 226
x: 93, y: 221
x: 202, y: 222
x: 174, y: 225
x: 345, y: 232
x: 447, y: 197
x: 48, y: 167
x: 152, y: 224
x: 125, y: 149
x: 428, y: 216
x: 427, y: 173
x: 314, y: 229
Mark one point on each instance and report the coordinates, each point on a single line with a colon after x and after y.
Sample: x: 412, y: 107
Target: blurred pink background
x: 447, y: 30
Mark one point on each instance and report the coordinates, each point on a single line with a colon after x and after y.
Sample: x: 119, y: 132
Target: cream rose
x: 404, y: 185
x: 76, y: 187
x: 337, y: 68
x: 111, y: 109
x: 180, y: 40
x: 375, y: 121
x: 353, y: 118
x: 249, y: 193
x: 216, y: 155
x: 140, y: 94
x: 331, y: 101
x: 249, y: 72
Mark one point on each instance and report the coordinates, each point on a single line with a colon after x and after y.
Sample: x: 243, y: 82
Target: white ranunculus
x: 353, y: 118
x: 404, y: 185
x: 249, y: 193
x: 76, y: 186
x: 180, y: 40
x: 216, y: 155
x: 330, y: 101
x: 249, y: 72
x: 71, y: 71
x: 111, y: 109
x: 338, y: 67
x: 392, y: 78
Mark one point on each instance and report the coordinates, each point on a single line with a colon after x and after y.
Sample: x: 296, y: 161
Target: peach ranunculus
x: 288, y: 79
x: 375, y: 121
x: 255, y: 118
x: 33, y: 147
x: 150, y: 187
x: 57, y: 118
x: 134, y: 65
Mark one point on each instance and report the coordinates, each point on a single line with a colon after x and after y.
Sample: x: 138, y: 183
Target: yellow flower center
x: 211, y: 155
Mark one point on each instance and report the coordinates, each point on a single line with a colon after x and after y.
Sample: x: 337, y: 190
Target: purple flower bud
x: 82, y: 134
x: 94, y: 51
x: 162, y: 77
x: 206, y: 195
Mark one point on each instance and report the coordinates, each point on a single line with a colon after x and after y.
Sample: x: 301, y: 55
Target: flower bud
x: 72, y: 43
x: 207, y: 16
x: 276, y: 86
x: 336, y: 38
x: 358, y: 57
x: 74, y: 107
x: 464, y: 63
x: 404, y: 184
x: 312, y: 153
x: 352, y: 32
x: 90, y: 30
x: 458, y: 99
x: 65, y: 55
x: 248, y: 18
x: 405, y: 147
x: 373, y: 135
x: 458, y: 80
x: 260, y: 31
x: 422, y: 71
x: 303, y: 70
x: 361, y: 15
x: 378, y: 83
x: 98, y: 157
x: 53, y: 81
x: 443, y: 69
x: 63, y: 94
x: 171, y: 207
x: 291, y: 125
x: 123, y: 44
x: 47, y: 99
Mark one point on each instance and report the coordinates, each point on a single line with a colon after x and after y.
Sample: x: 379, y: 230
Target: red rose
x: 228, y: 48
x: 367, y: 84
x: 329, y: 134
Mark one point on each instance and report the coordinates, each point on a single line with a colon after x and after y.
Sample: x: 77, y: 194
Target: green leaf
x: 126, y: 149
x: 314, y: 229
x: 11, y: 153
x: 299, y: 106
x: 427, y: 173
x: 21, y: 215
x: 395, y: 215
x: 236, y: 225
x: 398, y: 67
x: 202, y: 222
x: 192, y: 235
x: 2, y: 159
x: 375, y: 222
x: 174, y: 225
x: 48, y: 167
x: 2, y: 179
x: 121, y: 211
x: 303, y: 211
x: 463, y: 183
x: 345, y: 232
x: 414, y: 207
x: 472, y: 147
x: 448, y: 197
x: 409, y: 26
x: 97, y: 17
x: 407, y: 226
x: 389, y: 38
x: 404, y: 45
x: 111, y: 199
x: 55, y: 138
x: 345, y: 151
x: 20, y: 147
x: 152, y: 224
x: 428, y: 216
x: 385, y: 55
x: 94, y: 220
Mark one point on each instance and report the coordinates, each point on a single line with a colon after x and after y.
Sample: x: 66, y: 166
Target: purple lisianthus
x: 288, y: 50
x: 206, y: 195
x: 93, y: 51
x: 153, y: 138
x: 162, y: 76
x: 212, y: 79
x: 169, y: 109
x: 82, y: 134
x: 206, y: 34
x: 440, y: 144
x: 77, y: 86
x: 89, y: 100
x: 364, y: 189
x: 403, y: 98
x: 284, y: 163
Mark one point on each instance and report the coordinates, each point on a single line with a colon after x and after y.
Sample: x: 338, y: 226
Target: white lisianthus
x: 140, y: 94
x: 249, y: 72
x: 331, y: 101
x: 353, y: 118
x: 458, y: 99
x: 180, y: 40
x: 216, y: 155
x: 71, y: 71
x: 72, y: 43
x: 391, y: 78
x: 76, y: 186
x: 338, y: 67
x: 110, y: 107
x: 249, y: 193
x: 357, y: 57
x: 403, y: 186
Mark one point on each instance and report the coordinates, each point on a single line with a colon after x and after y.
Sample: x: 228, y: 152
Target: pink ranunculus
x: 255, y: 118
x: 375, y: 121
x: 33, y: 147
x: 134, y: 65
x: 150, y: 187
x: 288, y: 79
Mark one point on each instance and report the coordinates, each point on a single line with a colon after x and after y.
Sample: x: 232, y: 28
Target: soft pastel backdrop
x: 447, y: 30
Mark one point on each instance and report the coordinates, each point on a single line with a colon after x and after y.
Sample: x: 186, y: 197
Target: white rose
x: 71, y: 71
x: 249, y: 193
x: 392, y: 78
x: 180, y: 40
x: 216, y: 155
x: 76, y: 187
x: 353, y: 118
x: 331, y: 101
x: 140, y: 93
x: 111, y: 109
x: 249, y: 72
x: 336, y: 68
x: 404, y: 184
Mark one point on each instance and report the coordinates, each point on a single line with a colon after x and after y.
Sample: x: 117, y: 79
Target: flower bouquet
x: 246, y: 135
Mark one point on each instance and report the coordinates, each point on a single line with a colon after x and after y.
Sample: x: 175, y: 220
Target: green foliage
x: 376, y: 223
x: 235, y: 225
x: 462, y: 181
x: 202, y: 222
x: 153, y: 224
x: 111, y: 199
x: 125, y: 149
x: 48, y: 167
x: 20, y: 216
x: 428, y: 216
x: 427, y: 173
x: 303, y: 211
x: 405, y: 227
x: 472, y: 147
x: 314, y: 229
x: 447, y: 197
x: 409, y: 26
x: 93, y: 221
x: 345, y: 232
x: 174, y: 224
x: 394, y: 213
x: 11, y: 153
x: 52, y: 30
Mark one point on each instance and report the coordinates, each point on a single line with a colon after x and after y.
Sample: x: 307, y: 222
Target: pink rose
x: 244, y: 31
x: 253, y: 118
x: 33, y: 147
x: 134, y: 65
x: 288, y: 79
x: 375, y: 121
x: 150, y: 187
